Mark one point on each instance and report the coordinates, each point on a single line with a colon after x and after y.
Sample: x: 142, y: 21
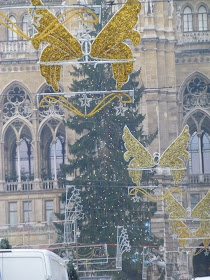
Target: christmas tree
x: 99, y: 170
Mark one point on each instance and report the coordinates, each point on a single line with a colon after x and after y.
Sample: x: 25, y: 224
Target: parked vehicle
x: 28, y: 264
x: 202, y: 278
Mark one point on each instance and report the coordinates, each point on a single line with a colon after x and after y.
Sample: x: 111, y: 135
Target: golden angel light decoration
x: 190, y: 225
x: 173, y: 159
x: 63, y: 48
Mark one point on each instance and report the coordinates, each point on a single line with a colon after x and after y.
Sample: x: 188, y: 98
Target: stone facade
x: 32, y: 142
x: 174, y: 56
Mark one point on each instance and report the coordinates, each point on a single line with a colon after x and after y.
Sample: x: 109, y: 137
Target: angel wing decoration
x: 62, y: 45
x: 174, y: 157
x: 202, y: 211
x: 177, y: 211
x: 107, y: 45
x: 140, y: 156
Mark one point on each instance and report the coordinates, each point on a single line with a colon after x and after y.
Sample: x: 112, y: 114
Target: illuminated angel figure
x: 178, y: 215
x: 173, y: 158
x: 108, y: 44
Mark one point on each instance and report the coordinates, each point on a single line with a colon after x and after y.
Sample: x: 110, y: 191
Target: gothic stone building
x: 174, y: 55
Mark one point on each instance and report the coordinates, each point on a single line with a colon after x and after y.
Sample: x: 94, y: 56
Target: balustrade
x: 194, y: 37
x: 26, y: 2
x: 199, y: 178
x: 21, y: 46
x: 30, y: 185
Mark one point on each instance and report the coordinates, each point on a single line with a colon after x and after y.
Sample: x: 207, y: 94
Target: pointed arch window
x: 188, y: 21
x: 53, y: 148
x: 54, y: 108
x: 195, y: 103
x: 24, y: 158
x: 199, y: 145
x: 12, y: 36
x: 200, y: 153
x: 202, y: 19
x: 205, y: 149
x: 57, y: 154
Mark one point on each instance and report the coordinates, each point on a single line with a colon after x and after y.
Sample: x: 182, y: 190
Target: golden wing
x: 177, y: 211
x: 140, y: 156
x: 172, y: 156
x: 62, y: 45
x: 204, y: 232
x: 202, y: 210
x: 183, y: 232
x: 174, y: 207
x: 108, y: 44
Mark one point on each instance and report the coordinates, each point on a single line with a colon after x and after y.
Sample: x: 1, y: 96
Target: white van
x: 202, y: 278
x: 26, y: 264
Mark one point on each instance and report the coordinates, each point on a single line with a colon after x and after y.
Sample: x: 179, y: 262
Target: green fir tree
x: 100, y: 171
x: 72, y: 273
x: 4, y: 244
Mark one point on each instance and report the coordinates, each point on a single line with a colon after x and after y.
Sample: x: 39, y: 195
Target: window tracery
x: 20, y: 154
x: 16, y: 103
x: 196, y: 95
x: 195, y: 107
x: 53, y: 110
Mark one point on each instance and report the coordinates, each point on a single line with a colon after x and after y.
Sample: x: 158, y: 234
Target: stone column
x: 18, y: 158
x: 37, y: 164
x: 2, y: 167
x: 18, y: 166
x: 54, y: 160
x: 36, y: 144
x: 201, y: 177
